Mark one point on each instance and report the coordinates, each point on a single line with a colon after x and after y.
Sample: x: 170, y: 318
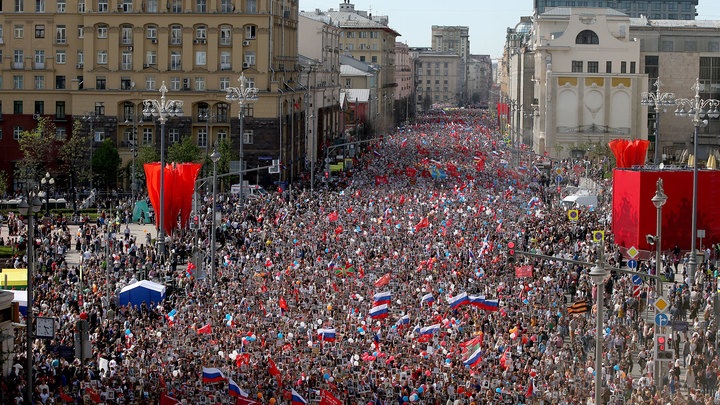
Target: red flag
x: 67, y: 398
x: 242, y: 358
x: 410, y: 172
x: 205, y: 329
x: 94, y: 396
x: 326, y: 398
x: 335, y: 287
x: 384, y: 280
x: 524, y: 271
x: 422, y: 224
x: 333, y: 217
x: 338, y: 230
x: 402, y: 199
x: 273, y: 368
x: 283, y: 304
x: 165, y: 399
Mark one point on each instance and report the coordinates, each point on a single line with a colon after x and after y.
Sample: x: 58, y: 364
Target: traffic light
x: 663, y: 349
x: 511, y: 252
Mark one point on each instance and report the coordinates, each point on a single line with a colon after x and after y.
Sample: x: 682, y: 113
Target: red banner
x: 326, y: 398
x: 179, y: 185
x: 524, y: 271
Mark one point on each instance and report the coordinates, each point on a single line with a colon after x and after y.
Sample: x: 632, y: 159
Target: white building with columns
x: 588, y: 82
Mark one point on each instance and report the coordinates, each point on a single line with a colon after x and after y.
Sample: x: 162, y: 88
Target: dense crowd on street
x: 425, y: 215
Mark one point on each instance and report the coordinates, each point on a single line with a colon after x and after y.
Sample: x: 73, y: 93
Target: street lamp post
x: 658, y: 200
x: 91, y: 117
x: 241, y: 95
x: 162, y: 109
x: 30, y: 210
x: 657, y: 100
x: 697, y: 110
x: 136, y: 121
x: 214, y: 157
x: 599, y: 274
x: 47, y: 182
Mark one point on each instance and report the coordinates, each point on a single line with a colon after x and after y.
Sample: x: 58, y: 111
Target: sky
x: 488, y: 19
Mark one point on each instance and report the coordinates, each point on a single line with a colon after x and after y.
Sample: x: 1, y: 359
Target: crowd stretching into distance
x: 392, y: 287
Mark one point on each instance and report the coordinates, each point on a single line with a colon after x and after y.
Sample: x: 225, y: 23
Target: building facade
x: 359, y: 95
x: 678, y: 53
x: 440, y: 79
x: 405, y: 78
x: 656, y: 9
x: 454, y: 39
x: 370, y: 39
x: 588, y: 80
x: 480, y: 79
x: 319, y: 47
x: 99, y: 59
x: 519, y: 69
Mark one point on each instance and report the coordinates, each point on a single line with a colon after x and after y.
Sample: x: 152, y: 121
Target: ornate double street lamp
x: 241, y: 95
x: 696, y: 109
x: 657, y: 100
x: 162, y: 110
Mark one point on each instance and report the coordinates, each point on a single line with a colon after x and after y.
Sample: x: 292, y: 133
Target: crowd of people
x: 422, y: 230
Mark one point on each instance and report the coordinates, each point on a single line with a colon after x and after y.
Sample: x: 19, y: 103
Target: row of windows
x: 126, y: 59
x: 126, y: 33
x: 594, y: 67
x: 430, y: 64
x: 127, y: 6
x: 360, y: 47
x: 176, y: 83
x: 428, y: 72
x: 359, y: 34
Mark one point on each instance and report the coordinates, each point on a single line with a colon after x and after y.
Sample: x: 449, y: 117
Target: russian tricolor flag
x: 212, y: 375
x: 405, y: 320
x: 382, y: 298
x: 491, y: 305
x: 458, y: 300
x: 235, y: 390
x: 474, y: 359
x: 428, y: 298
x: 429, y: 330
x: 327, y: 334
x: 296, y: 399
x: 379, y: 312
x: 477, y: 300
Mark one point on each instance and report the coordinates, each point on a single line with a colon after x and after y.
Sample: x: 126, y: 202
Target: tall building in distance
x: 454, y: 39
x: 451, y: 39
x: 655, y: 9
x: 100, y: 59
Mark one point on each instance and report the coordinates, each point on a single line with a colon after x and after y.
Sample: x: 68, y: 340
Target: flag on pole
x: 458, y: 300
x: 379, y: 312
x: 235, y: 390
x: 326, y: 398
x: 327, y: 334
x: 297, y: 399
x: 212, y: 375
x: 384, y: 280
x: 422, y: 224
x: 428, y: 299
x: 429, y: 330
x: 382, y: 298
x: 205, y: 329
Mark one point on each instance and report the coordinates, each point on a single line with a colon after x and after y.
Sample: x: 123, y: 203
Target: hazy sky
x: 487, y: 19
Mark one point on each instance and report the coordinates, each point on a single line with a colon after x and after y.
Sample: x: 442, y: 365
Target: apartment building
x: 405, y: 78
x: 319, y: 48
x: 99, y: 59
x: 369, y: 39
x: 439, y: 79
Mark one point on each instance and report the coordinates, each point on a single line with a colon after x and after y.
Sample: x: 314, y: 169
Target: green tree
x: 145, y: 154
x: 37, y: 147
x: 105, y: 163
x: 74, y: 156
x: 3, y: 183
x: 184, y: 151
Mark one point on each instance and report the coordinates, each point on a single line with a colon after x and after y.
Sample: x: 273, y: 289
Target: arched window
x: 587, y: 37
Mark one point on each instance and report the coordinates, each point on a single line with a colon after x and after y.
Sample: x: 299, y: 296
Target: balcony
x: 39, y: 66
x: 175, y: 66
x: 225, y: 66
x: 18, y: 65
